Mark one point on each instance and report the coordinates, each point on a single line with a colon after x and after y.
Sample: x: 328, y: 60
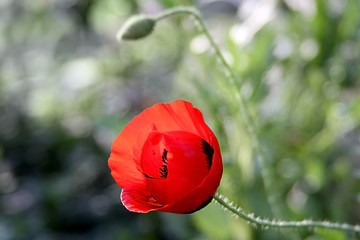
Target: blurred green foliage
x: 67, y: 88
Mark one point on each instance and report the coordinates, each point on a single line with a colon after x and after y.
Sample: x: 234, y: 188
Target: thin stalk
x: 285, y: 224
x: 267, y: 175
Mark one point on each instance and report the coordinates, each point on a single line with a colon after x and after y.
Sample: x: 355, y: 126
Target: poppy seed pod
x: 136, y: 27
x: 167, y: 159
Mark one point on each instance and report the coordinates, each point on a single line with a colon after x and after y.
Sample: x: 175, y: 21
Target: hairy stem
x: 267, y: 175
x: 285, y: 224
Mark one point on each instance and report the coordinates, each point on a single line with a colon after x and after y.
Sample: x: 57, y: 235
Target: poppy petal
x: 123, y: 173
x: 174, y: 164
x: 203, y: 193
x: 195, y: 201
x: 136, y: 198
x: 179, y: 115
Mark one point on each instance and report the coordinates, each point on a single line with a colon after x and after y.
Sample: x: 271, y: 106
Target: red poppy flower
x: 167, y: 159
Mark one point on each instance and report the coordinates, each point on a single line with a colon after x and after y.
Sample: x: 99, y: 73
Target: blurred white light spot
x: 296, y: 198
x: 274, y: 75
x: 247, y: 8
x: 228, y: 57
x: 79, y: 73
x: 262, y: 13
x: 240, y: 34
x: 336, y: 7
x: 284, y: 47
x: 309, y: 49
x: 306, y: 7
x: 199, y: 44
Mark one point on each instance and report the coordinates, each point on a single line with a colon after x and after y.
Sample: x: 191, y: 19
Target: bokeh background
x: 67, y: 88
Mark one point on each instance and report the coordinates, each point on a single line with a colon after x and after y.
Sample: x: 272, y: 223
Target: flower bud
x: 136, y: 27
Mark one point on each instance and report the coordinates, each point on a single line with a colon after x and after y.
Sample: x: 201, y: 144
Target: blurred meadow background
x: 67, y: 89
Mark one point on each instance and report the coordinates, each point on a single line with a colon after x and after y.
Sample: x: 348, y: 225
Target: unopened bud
x: 136, y: 27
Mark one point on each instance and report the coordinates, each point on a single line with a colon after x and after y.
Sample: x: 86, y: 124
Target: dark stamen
x: 164, y: 168
x: 208, y: 150
x: 164, y: 156
x: 147, y: 176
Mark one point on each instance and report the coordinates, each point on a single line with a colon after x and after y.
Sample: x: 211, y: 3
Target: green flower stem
x: 285, y: 224
x: 267, y: 175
